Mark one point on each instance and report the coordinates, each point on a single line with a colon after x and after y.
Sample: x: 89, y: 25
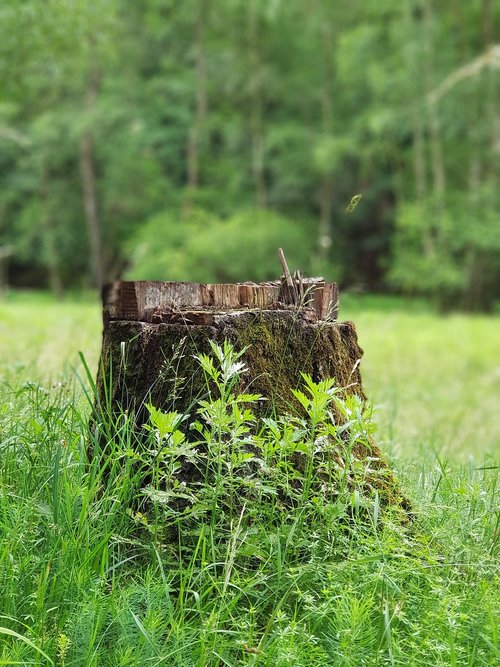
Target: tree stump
x: 153, y: 332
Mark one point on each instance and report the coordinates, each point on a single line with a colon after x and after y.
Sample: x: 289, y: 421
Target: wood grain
x: 152, y: 301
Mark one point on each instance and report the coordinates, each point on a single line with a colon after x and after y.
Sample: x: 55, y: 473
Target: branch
x: 491, y: 58
x: 10, y: 134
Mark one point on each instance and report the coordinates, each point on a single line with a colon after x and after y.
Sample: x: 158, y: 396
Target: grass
x: 435, y: 380
x: 87, y: 580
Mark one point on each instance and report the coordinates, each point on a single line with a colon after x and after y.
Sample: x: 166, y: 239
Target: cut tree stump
x: 154, y: 330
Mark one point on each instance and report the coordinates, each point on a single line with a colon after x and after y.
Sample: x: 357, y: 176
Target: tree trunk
x: 87, y: 168
x: 418, y: 91
x: 419, y: 166
x: 5, y: 252
x: 50, y: 240
x: 436, y: 148
x: 196, y: 131
x: 153, y: 333
x: 255, y: 83
x: 327, y: 185
x: 487, y: 25
x: 480, y: 262
x: 149, y: 327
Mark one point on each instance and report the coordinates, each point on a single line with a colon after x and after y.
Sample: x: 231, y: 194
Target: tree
x: 116, y: 113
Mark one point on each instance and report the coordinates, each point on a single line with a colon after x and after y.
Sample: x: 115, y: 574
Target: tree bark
x: 87, y: 169
x: 417, y: 92
x: 436, y: 148
x: 154, y: 332
x: 146, y: 324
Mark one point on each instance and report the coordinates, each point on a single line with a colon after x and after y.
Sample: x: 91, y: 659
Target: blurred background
x: 188, y: 139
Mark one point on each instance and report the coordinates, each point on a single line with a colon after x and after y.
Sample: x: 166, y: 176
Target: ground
x: 84, y: 581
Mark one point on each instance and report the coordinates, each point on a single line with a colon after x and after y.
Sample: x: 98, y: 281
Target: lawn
x: 87, y: 580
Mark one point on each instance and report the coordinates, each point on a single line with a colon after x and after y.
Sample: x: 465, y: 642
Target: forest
x: 235, y: 480
x: 187, y: 140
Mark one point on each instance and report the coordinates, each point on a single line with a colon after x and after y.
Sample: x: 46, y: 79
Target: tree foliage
x: 186, y: 140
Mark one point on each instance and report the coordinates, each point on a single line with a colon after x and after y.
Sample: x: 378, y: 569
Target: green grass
x: 434, y: 379
x: 40, y: 338
x: 85, y: 580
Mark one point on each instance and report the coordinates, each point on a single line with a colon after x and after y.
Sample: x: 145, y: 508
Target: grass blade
x: 22, y: 638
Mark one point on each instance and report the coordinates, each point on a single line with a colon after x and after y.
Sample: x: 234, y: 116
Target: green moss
x: 157, y: 362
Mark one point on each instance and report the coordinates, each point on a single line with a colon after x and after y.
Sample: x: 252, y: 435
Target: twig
x: 288, y: 277
x: 286, y: 270
x: 491, y: 58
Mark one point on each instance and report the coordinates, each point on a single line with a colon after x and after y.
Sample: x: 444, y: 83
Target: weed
x: 332, y: 578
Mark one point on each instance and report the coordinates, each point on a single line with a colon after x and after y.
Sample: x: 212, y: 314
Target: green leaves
x: 11, y: 633
x: 164, y: 423
x: 206, y: 247
x: 353, y: 203
x: 320, y: 396
x: 208, y: 112
x: 268, y: 463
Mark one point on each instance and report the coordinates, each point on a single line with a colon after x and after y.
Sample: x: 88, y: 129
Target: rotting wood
x: 284, y: 333
x: 155, y: 332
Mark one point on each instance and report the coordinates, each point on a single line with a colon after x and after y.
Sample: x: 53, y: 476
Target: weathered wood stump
x: 153, y: 332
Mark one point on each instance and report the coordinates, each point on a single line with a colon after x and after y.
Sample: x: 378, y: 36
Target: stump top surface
x: 154, y: 301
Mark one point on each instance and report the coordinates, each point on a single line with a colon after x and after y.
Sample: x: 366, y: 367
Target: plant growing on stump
x: 223, y: 469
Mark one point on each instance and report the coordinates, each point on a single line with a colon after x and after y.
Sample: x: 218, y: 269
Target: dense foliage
x: 168, y: 139
x: 337, y: 578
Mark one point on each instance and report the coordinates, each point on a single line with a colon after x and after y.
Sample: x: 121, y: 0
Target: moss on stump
x: 156, y: 362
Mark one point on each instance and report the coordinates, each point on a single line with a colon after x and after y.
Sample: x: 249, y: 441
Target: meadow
x: 86, y: 580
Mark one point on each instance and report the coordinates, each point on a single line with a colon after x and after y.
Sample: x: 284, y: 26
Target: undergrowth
x: 226, y: 540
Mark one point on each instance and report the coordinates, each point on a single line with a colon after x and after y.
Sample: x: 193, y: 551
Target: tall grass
x: 434, y: 379
x: 100, y: 566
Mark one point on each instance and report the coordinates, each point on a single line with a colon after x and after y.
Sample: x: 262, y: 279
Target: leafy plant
x: 321, y: 581
x: 227, y: 463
